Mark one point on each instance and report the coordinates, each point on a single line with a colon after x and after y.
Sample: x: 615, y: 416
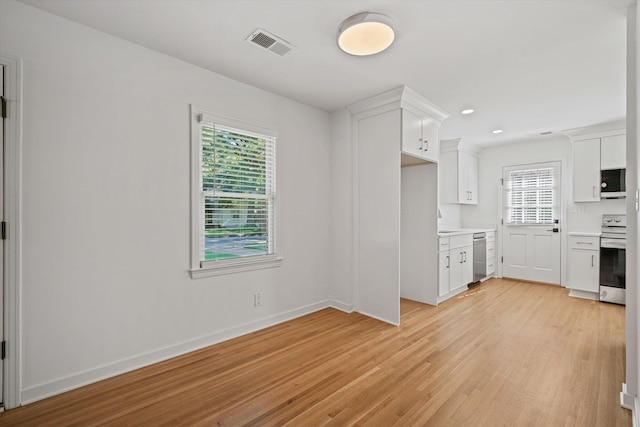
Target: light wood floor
x: 505, y: 353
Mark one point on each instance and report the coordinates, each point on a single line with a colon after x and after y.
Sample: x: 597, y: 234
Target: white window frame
x: 201, y: 268
x: 556, y: 166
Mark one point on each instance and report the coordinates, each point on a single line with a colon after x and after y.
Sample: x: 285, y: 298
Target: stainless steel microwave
x: 613, y: 184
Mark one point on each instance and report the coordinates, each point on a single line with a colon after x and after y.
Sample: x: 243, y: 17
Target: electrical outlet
x: 257, y: 299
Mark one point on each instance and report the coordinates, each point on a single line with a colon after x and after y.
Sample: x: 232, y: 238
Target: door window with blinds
x: 531, y: 193
x: 235, y: 194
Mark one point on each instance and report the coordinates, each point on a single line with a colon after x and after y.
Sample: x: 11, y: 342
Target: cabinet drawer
x: 491, y: 266
x: 491, y: 249
x: 443, y: 244
x: 461, y: 240
x: 584, y: 242
x: 491, y: 236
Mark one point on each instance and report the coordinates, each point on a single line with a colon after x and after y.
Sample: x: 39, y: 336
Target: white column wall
x: 633, y: 230
x: 342, y: 208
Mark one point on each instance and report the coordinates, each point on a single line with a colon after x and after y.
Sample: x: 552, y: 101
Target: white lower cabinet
x: 491, y: 253
x: 444, y: 268
x: 584, y: 263
x: 461, y: 268
x: 455, y: 261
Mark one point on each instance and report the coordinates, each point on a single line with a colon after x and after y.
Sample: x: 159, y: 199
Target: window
x: 234, y: 196
x: 531, y: 193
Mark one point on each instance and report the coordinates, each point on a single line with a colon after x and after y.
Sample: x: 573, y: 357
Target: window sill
x: 235, y: 267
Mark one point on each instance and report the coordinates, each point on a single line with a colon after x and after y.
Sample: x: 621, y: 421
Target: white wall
x: 490, y: 163
x: 342, y: 208
x: 451, y: 215
x: 576, y: 216
x: 106, y: 205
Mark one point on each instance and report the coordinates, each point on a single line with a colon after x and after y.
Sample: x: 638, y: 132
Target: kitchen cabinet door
x: 584, y: 270
x: 613, y: 152
x: 420, y: 136
x: 411, y: 133
x: 455, y: 271
x: 467, y: 265
x: 463, y: 178
x: 430, y: 140
x: 586, y: 170
x: 458, y: 177
x: 470, y: 163
x: 444, y: 268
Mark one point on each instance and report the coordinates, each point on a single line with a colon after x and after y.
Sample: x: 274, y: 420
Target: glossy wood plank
x: 503, y: 353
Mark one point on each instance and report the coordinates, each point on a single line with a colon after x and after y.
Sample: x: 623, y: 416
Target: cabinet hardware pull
x: 591, y: 260
x: 594, y: 192
x: 426, y: 145
x: 448, y: 261
x: 460, y: 257
x: 465, y: 256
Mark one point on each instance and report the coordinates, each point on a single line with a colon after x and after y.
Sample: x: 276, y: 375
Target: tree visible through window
x: 237, y: 194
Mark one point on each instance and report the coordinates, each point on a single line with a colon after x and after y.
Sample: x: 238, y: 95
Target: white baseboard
x: 379, y: 318
x: 631, y: 402
x: 342, y: 306
x: 44, y: 390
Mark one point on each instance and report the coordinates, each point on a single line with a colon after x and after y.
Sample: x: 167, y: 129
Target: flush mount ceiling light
x: 366, y: 34
x: 497, y: 131
x: 467, y: 111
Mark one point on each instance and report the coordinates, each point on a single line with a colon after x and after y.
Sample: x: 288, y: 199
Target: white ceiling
x: 526, y: 66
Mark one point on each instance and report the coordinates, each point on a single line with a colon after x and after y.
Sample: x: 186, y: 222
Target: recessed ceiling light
x: 467, y: 111
x: 366, y: 34
x: 496, y: 131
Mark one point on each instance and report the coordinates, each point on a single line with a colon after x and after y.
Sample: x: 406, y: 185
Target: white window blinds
x: 531, y: 193
x: 237, y: 194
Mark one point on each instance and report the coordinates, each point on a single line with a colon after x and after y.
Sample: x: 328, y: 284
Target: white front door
x: 531, y: 233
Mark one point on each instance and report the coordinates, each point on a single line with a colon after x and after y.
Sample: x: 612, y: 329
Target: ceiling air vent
x: 270, y: 42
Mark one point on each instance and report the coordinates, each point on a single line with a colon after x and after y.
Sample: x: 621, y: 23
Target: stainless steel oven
x: 613, y: 243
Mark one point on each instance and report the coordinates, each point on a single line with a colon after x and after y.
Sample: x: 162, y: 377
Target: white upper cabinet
x: 586, y: 170
x: 419, y: 136
x: 458, y: 174
x: 468, y: 178
x: 595, y: 148
x: 613, y: 152
x: 418, y: 125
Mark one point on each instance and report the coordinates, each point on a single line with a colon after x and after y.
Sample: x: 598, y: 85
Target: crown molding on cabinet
x: 456, y: 144
x: 597, y: 131
x: 400, y: 97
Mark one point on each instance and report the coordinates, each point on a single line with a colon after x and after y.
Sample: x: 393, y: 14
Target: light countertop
x: 459, y: 231
x: 590, y: 233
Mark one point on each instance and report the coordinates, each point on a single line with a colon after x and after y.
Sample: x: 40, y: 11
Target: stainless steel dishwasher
x: 479, y: 256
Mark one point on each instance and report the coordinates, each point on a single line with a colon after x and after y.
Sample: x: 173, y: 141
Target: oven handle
x: 613, y: 243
